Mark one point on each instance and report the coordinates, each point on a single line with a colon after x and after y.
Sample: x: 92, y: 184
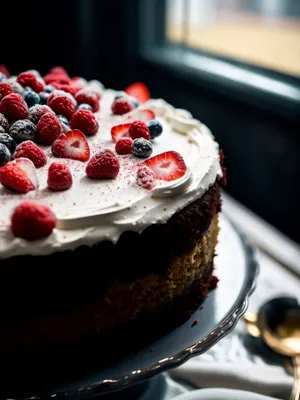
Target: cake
x: 135, y: 191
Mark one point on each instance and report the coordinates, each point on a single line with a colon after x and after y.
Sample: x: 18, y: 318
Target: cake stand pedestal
x: 129, y: 377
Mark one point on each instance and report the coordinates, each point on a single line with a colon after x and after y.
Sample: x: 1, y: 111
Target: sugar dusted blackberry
x: 23, y: 130
x: 5, y: 154
x: 9, y: 142
x: 4, y: 123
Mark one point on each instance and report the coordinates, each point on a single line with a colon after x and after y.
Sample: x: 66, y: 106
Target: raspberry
x: 85, y: 121
x: 48, y: 129
x: 59, y: 177
x: 36, y: 112
x: 14, y: 107
x: 121, y: 106
x: 88, y: 97
x: 30, y: 150
x: 123, y: 145
x: 4, y: 70
x: 4, y: 123
x: 65, y: 87
x: 59, y: 71
x: 103, y: 165
x: 139, y: 129
x: 32, y: 221
x: 5, y: 89
x: 50, y: 79
x: 29, y: 79
x: 62, y: 103
x: 145, y: 177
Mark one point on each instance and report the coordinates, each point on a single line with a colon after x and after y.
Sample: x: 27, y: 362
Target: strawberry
x: 139, y: 129
x: 167, y: 166
x: 32, y: 221
x: 48, y: 129
x: 119, y: 131
x: 59, y: 177
x: 123, y: 145
x: 72, y: 144
x: 13, y: 106
x: 138, y: 90
x: 103, y: 165
x: 19, y: 175
x: 5, y: 89
x: 141, y: 115
x: 30, y: 150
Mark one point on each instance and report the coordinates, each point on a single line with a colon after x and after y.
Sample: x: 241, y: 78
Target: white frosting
x: 91, y: 211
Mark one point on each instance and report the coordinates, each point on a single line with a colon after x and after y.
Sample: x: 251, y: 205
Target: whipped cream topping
x: 95, y: 210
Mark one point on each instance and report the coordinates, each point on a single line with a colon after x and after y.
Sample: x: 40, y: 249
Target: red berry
x: 36, y: 112
x: 121, y: 106
x: 139, y: 129
x: 59, y: 177
x: 14, y: 107
x: 19, y: 175
x: 32, y: 221
x: 87, y: 96
x: 48, y: 129
x: 123, y: 145
x: 72, y: 144
x: 29, y: 79
x: 4, y: 70
x: 30, y: 150
x: 167, y: 166
x: 58, y: 70
x: 65, y: 87
x: 103, y: 165
x: 145, y: 177
x: 119, y: 131
x: 85, y: 121
x: 5, y: 89
x: 62, y: 103
x: 50, y: 79
x: 4, y: 123
x: 141, y: 115
x: 138, y: 90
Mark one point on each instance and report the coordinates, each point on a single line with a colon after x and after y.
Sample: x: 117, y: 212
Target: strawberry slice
x: 72, y: 144
x: 119, y: 131
x: 141, y: 115
x: 138, y: 90
x: 167, y: 166
x: 19, y: 175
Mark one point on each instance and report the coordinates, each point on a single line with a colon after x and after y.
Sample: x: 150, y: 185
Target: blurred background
x: 235, y: 64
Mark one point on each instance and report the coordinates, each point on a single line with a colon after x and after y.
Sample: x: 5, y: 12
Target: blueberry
x: 22, y: 130
x: 8, y: 141
x: 49, y: 89
x: 63, y: 119
x: 31, y: 98
x: 44, y: 97
x: 84, y: 106
x: 5, y: 155
x: 155, y: 128
x: 142, y: 148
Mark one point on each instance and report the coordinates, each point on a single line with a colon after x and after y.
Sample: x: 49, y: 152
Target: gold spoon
x: 278, y: 323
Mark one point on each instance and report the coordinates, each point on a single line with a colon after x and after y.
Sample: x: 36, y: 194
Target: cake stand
x: 128, y: 377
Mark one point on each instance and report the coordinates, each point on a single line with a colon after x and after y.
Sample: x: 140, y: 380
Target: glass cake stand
x: 128, y: 377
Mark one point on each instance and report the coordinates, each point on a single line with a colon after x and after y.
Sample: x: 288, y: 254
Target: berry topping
x: 121, y: 106
x: 103, y: 165
x: 86, y: 96
x: 141, y: 115
x: 5, y: 89
x: 3, y: 122
x: 85, y: 106
x: 19, y: 175
x: 30, y: 150
x: 44, y: 97
x: 22, y: 130
x: 85, y: 121
x: 138, y: 90
x: 13, y: 106
x: 32, y: 221
x: 119, y: 131
x: 49, y: 88
x: 52, y: 79
x: 66, y: 88
x: 36, y: 112
x: 48, y: 129
x: 72, y: 144
x: 31, y: 98
x: 16, y: 87
x: 167, y: 166
x: 62, y: 103
x: 155, y: 128
x: 58, y: 70
x: 59, y: 177
x: 142, y: 148
x: 5, y: 154
x: 139, y: 129
x: 123, y: 145
x: 9, y: 142
x: 4, y: 70
x: 29, y: 79
x: 145, y: 177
